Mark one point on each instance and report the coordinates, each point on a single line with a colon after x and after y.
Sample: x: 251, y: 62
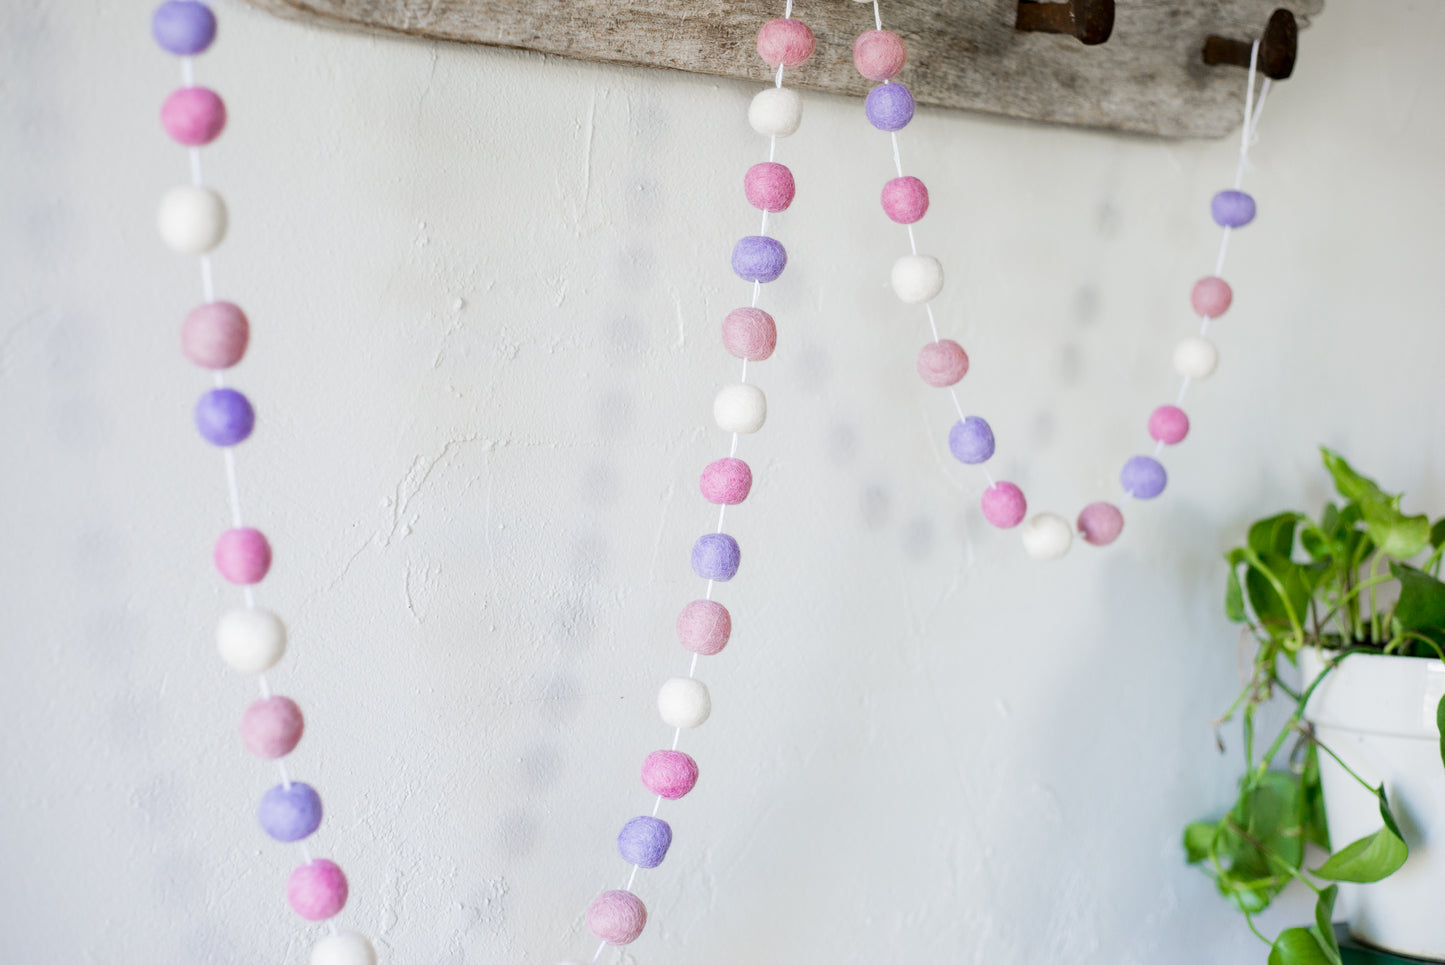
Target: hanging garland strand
x: 192, y: 220
x: 880, y: 55
x: 705, y: 625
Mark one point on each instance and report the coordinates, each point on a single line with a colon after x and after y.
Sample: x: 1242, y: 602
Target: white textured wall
x: 485, y: 289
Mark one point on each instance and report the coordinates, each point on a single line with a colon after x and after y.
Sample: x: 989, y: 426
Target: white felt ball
x: 1196, y: 358
x: 1046, y: 536
x: 740, y: 408
x: 917, y: 278
x: 191, y: 220
x: 343, y: 948
x: 775, y: 111
x: 684, y: 702
x: 251, y: 641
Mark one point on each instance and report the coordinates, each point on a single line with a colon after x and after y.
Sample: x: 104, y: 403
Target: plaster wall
x: 485, y: 289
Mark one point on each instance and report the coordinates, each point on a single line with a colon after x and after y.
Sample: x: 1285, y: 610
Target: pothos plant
x: 1362, y: 578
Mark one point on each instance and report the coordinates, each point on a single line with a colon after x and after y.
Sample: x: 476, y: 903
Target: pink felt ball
x: 669, y: 774
x: 749, y: 333
x: 1100, y: 523
x: 317, y: 890
x: 214, y: 335
x: 704, y: 626
x: 942, y: 363
x: 1211, y: 297
x: 616, y: 917
x: 272, y: 728
x: 726, y: 482
x: 194, y: 116
x: 785, y: 43
x: 1168, y: 424
x: 1004, y: 505
x: 905, y: 199
x: 243, y: 556
x: 769, y: 186
x: 879, y: 54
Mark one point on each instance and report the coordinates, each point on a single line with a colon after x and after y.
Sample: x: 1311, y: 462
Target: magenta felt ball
x: 1100, y: 523
x: 214, y: 335
x: 243, y: 556
x: 317, y: 890
x: 726, y: 482
x: 272, y: 728
x: 704, y: 626
x: 942, y: 363
x: 749, y: 333
x: 617, y: 917
x: 669, y: 774
x: 1004, y: 505
x: 905, y: 199
x: 785, y: 43
x: 879, y: 54
x: 194, y: 116
x: 769, y: 186
x: 1211, y: 297
x: 1168, y: 424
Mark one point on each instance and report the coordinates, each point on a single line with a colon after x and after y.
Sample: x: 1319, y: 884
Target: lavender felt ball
x: 290, y: 813
x: 971, y: 441
x: 889, y: 107
x: 759, y: 258
x: 644, y: 841
x: 183, y: 27
x: 1232, y: 209
x: 715, y: 556
x: 1143, y: 477
x: 224, y: 417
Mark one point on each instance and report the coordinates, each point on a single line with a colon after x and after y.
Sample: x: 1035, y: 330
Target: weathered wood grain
x: 1148, y: 79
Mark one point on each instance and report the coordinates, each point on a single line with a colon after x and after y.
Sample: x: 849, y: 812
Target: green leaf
x: 1440, y: 726
x: 1234, y: 597
x: 1198, y: 838
x: 1259, y: 842
x: 1315, y: 827
x: 1437, y: 533
x: 1324, y: 927
x: 1274, y: 534
x: 1394, y: 533
x: 1371, y: 858
x: 1298, y: 946
x: 1422, y: 598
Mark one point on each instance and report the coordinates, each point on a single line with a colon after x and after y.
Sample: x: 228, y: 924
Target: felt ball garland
x: 704, y: 626
x: 192, y: 219
x: 880, y: 55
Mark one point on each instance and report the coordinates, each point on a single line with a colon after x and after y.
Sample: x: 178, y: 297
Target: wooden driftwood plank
x: 1149, y: 78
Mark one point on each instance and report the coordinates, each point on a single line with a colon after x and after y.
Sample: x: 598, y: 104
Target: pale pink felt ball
x: 942, y: 363
x: 243, y: 556
x: 726, y: 482
x: 669, y: 774
x: 1004, y: 505
x: 749, y: 333
x: 317, y: 890
x: 879, y: 54
x: 704, y: 626
x: 785, y: 43
x: 905, y: 199
x: 214, y: 335
x: 1168, y: 424
x: 272, y: 728
x: 616, y: 917
x: 1211, y: 297
x: 1100, y: 523
x: 194, y: 116
x: 769, y: 186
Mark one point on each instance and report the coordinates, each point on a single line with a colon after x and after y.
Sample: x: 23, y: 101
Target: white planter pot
x: 1378, y: 714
